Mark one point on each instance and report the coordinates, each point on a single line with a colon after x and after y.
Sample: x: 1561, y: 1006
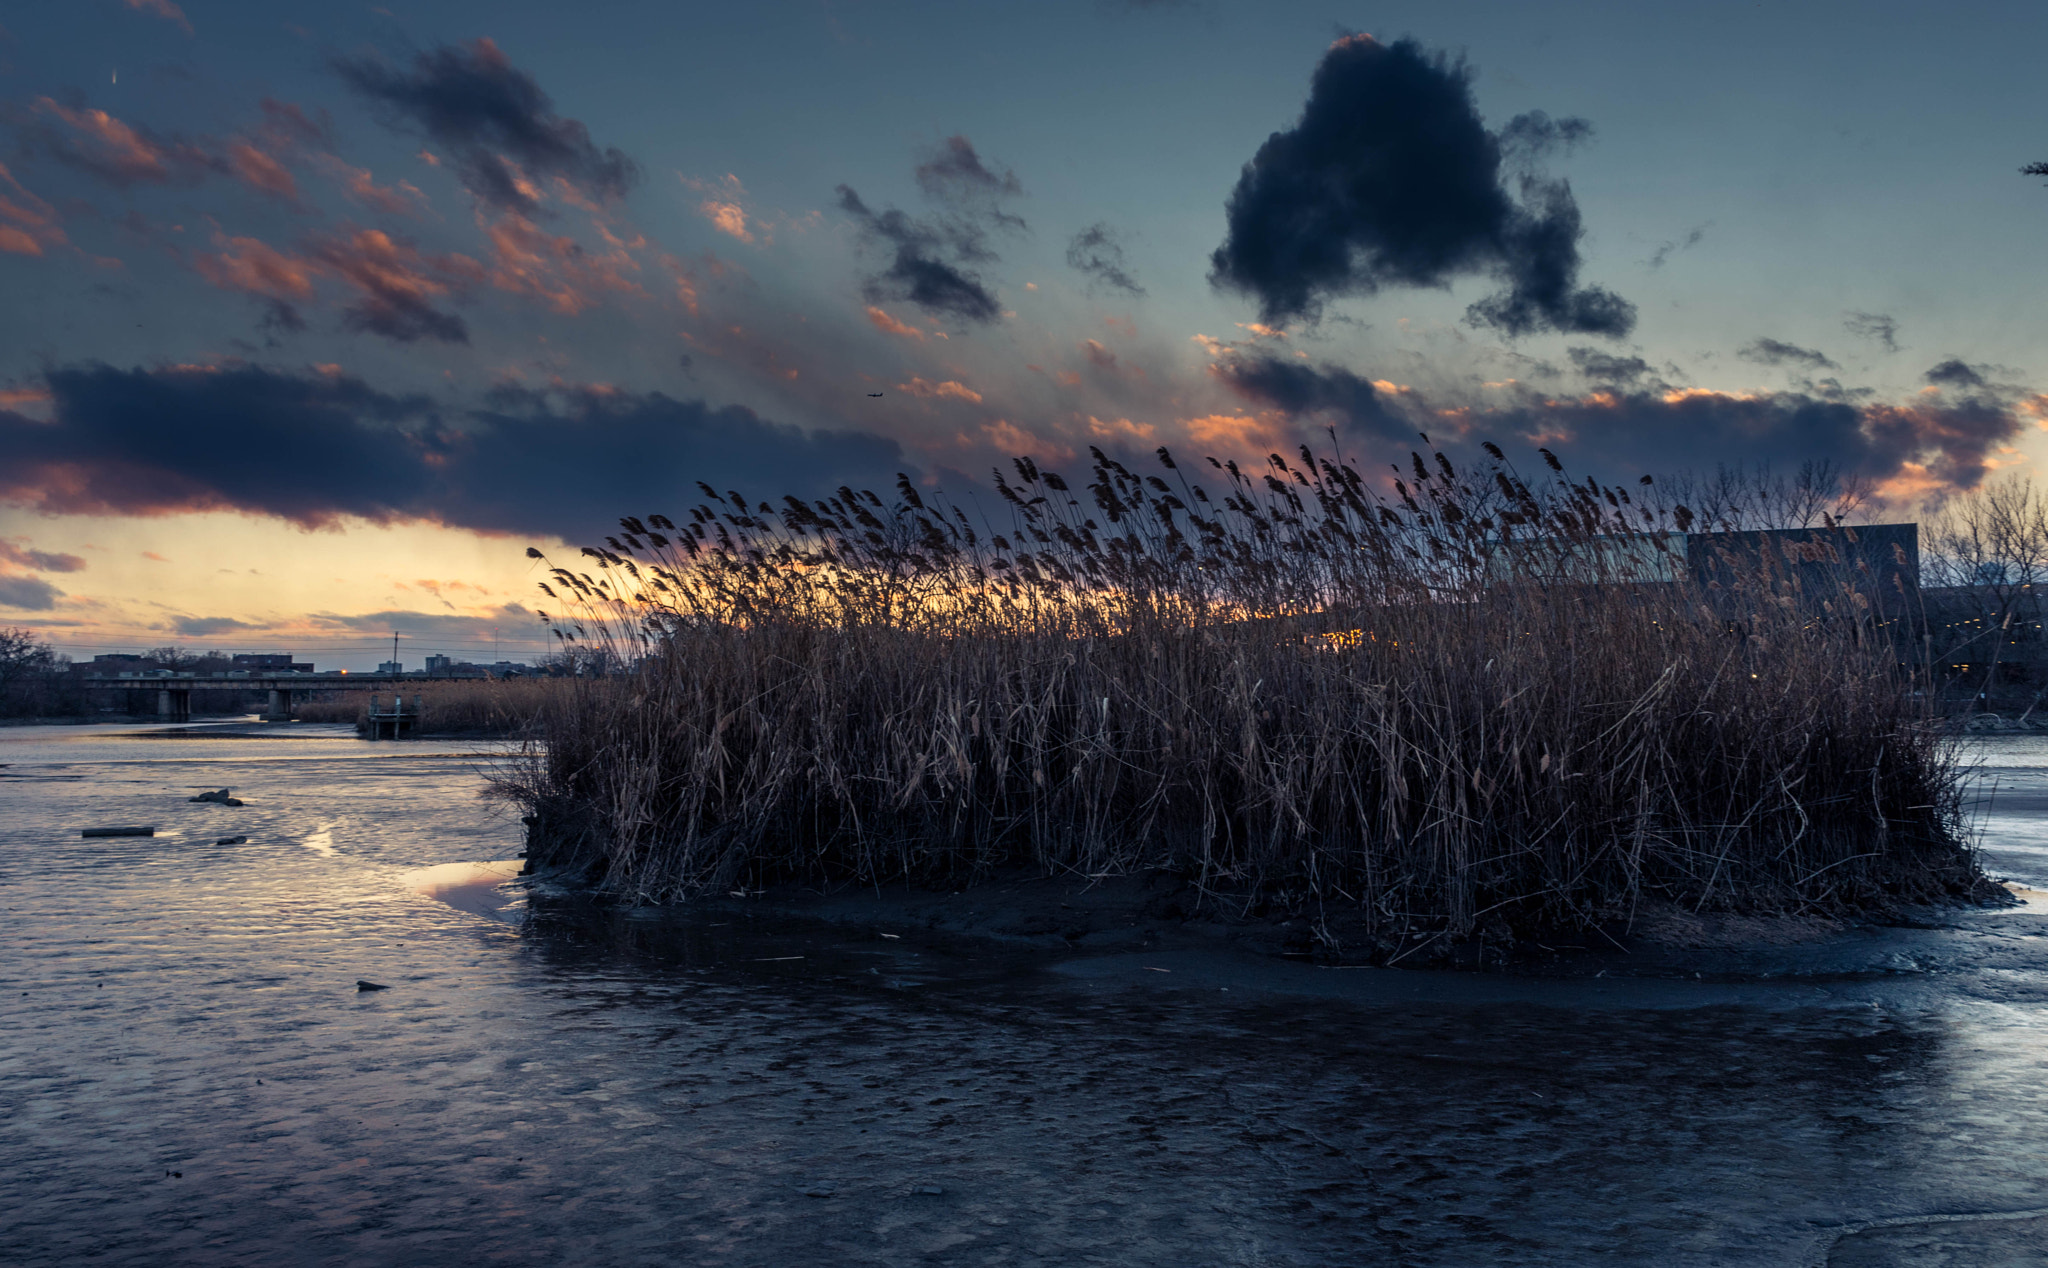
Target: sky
x: 314, y: 317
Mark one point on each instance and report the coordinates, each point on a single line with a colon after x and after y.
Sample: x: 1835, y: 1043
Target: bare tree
x: 1749, y: 496
x: 1988, y: 551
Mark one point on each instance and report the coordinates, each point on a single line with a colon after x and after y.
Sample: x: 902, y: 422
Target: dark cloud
x: 280, y: 318
x: 316, y: 449
x: 1391, y: 179
x: 40, y: 560
x: 1778, y: 352
x: 956, y: 176
x: 1620, y: 433
x: 920, y: 269
x: 423, y: 627
x: 201, y: 626
x: 494, y: 120
x: 1878, y: 326
x: 1665, y: 250
x: 1096, y: 253
x: 1959, y: 374
x: 1603, y: 367
x: 1326, y: 394
x: 1532, y: 135
x: 30, y: 594
x: 397, y: 285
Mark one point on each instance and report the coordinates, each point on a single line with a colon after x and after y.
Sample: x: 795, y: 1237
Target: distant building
x: 272, y: 663
x: 390, y: 667
x: 439, y: 664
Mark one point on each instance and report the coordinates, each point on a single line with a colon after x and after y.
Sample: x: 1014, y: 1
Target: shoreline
x: 1078, y: 918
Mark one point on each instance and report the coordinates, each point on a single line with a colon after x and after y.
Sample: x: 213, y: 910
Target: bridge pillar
x: 280, y: 706
x: 173, y: 705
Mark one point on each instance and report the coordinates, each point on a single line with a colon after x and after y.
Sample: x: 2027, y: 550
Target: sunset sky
x: 317, y: 315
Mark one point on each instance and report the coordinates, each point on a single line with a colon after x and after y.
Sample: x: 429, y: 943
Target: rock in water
x: 361, y: 985
x: 219, y: 794
x: 232, y: 841
x: 119, y: 832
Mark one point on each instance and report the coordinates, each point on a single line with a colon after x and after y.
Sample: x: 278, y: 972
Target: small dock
x: 399, y: 721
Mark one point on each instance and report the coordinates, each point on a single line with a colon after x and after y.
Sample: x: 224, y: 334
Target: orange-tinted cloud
x: 163, y: 9
x: 889, y: 325
x: 1011, y: 439
x: 1239, y: 433
x: 555, y: 267
x: 121, y: 153
x: 950, y: 388
x: 727, y: 218
x: 256, y: 268
x: 1122, y: 431
x: 262, y: 172
x: 401, y: 199
x: 30, y: 224
x: 397, y: 285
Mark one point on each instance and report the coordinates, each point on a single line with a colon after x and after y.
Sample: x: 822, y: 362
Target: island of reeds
x: 1450, y: 702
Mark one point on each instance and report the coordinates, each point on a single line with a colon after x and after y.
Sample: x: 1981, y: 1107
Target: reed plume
x: 1446, y: 702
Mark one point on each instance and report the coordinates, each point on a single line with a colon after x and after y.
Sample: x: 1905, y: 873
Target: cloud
x: 1096, y: 253
x: 1327, y: 394
x: 29, y: 225
x: 421, y: 628
x: 119, y: 153
x: 949, y: 388
x: 495, y: 122
x: 401, y: 199
x: 1390, y: 178
x: 883, y: 322
x: 1931, y: 445
x: 1777, y: 352
x: 555, y: 268
x: 317, y: 449
x: 39, y: 560
x: 1602, y: 367
x: 919, y: 271
x: 1878, y: 326
x: 254, y: 267
x: 30, y: 594
x: 262, y: 172
x: 1959, y: 374
x: 163, y: 9
x: 955, y: 176
x: 396, y: 284
x: 725, y: 206
x: 201, y: 626
x: 1665, y: 250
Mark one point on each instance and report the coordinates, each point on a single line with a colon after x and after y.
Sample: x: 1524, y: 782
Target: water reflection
x: 187, y: 1073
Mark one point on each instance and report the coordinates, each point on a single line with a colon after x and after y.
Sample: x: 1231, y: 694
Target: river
x: 190, y: 1075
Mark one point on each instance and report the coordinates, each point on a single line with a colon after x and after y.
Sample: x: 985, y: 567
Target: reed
x: 1455, y: 703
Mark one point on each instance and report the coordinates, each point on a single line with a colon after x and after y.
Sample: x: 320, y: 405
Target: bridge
x: 174, y: 691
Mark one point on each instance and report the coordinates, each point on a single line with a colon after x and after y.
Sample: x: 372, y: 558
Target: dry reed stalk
x: 1465, y: 701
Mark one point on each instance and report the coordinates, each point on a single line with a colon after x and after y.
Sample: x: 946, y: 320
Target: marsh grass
x: 469, y: 706
x: 1459, y: 703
